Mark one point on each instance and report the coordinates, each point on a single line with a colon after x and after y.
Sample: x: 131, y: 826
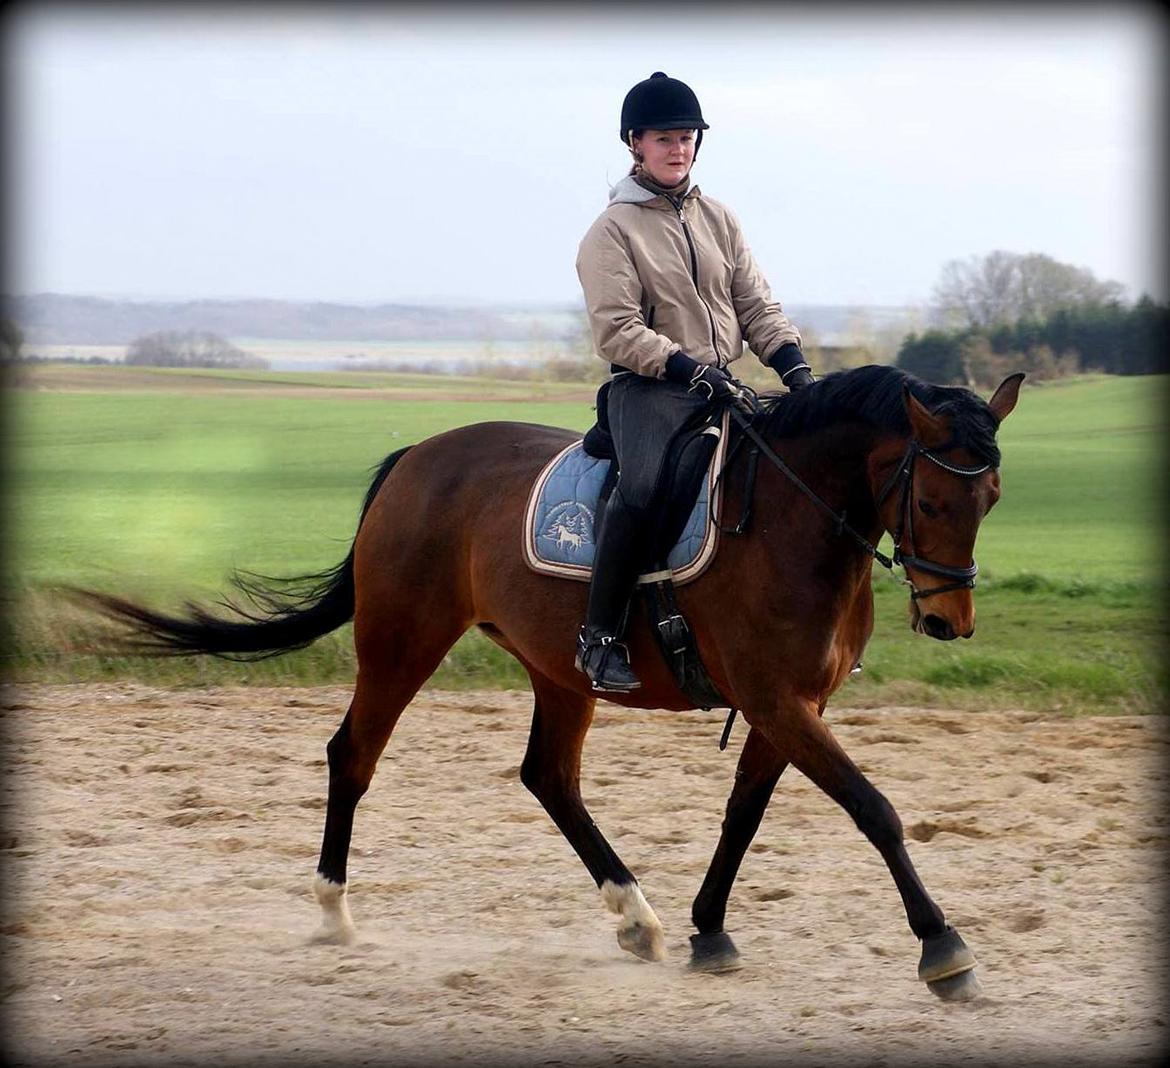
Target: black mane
x: 873, y: 394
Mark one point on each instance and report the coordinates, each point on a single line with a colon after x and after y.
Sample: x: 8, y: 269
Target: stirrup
x: 606, y: 663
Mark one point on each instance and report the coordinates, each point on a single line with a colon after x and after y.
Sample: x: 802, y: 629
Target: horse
x: 780, y: 617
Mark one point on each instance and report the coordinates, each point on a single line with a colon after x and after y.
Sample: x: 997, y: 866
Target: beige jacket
x: 657, y: 280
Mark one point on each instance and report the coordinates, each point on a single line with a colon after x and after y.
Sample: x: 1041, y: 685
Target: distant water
x: 451, y: 357
x: 537, y: 338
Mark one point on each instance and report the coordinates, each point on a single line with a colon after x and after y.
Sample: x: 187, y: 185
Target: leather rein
x: 961, y: 577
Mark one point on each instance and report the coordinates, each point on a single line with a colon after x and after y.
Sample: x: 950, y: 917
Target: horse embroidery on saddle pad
x: 562, y: 508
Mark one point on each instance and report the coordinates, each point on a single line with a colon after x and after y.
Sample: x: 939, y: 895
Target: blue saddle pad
x: 562, y: 510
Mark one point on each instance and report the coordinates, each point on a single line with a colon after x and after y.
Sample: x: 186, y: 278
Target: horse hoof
x: 643, y: 941
x: 333, y: 935
x: 943, y: 956
x: 714, y: 952
x: 962, y: 987
x: 639, y: 932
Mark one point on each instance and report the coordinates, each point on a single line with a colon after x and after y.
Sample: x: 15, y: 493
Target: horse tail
x: 285, y: 613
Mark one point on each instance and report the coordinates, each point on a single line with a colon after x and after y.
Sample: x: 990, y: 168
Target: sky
x: 396, y: 153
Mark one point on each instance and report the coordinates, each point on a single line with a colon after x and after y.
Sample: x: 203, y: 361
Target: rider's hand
x: 798, y: 378
x: 711, y: 382
x: 788, y: 363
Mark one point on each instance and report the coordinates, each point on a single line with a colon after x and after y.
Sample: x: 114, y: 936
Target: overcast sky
x: 366, y: 153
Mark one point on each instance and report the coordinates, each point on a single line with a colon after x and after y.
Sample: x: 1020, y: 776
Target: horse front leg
x: 756, y: 775
x: 946, y: 965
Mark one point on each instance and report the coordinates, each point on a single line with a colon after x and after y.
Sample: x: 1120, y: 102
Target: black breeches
x: 645, y: 414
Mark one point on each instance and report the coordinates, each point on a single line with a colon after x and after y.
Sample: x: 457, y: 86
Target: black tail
x: 286, y: 613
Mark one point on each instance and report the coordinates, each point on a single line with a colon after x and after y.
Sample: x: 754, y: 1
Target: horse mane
x: 873, y: 395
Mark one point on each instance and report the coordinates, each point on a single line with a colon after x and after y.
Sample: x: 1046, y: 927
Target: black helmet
x: 661, y: 103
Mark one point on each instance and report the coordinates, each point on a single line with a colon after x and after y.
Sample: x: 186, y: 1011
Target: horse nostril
x: 939, y: 628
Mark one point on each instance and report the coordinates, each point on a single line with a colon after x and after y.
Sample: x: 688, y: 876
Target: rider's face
x: 667, y: 155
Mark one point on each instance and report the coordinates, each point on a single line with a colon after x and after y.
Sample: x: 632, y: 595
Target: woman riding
x: 672, y: 293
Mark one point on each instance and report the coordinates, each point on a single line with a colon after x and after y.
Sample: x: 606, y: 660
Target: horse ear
x: 1003, y: 400
x: 927, y: 427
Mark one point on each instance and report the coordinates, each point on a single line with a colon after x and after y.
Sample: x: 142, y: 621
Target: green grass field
x: 156, y: 484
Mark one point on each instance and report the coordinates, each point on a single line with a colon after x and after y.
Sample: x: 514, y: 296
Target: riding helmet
x: 661, y: 103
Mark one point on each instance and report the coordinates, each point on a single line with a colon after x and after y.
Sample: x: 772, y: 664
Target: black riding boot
x: 615, y: 567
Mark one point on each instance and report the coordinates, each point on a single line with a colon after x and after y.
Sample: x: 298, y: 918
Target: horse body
x: 781, y: 616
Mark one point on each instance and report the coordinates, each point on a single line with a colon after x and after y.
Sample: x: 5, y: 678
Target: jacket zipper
x: 678, y: 207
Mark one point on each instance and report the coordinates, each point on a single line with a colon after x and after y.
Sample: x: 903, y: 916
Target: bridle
x: 903, y: 474
x: 963, y: 577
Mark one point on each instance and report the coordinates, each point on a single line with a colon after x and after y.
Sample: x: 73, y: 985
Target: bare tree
x: 1003, y: 287
x: 11, y: 340
x: 188, y: 348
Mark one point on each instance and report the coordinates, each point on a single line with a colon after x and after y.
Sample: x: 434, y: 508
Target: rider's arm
x: 761, y: 318
x: 613, y: 302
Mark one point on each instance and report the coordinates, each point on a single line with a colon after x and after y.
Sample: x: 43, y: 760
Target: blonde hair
x: 636, y: 168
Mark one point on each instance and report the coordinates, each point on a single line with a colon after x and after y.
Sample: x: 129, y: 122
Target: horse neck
x: 834, y: 463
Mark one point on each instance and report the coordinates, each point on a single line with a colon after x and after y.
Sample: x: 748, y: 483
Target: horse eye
x: 927, y: 509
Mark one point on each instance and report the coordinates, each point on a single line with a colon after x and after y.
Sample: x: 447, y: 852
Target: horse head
x: 933, y: 496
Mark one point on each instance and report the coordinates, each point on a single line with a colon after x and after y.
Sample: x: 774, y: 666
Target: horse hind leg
x: 551, y: 770
x: 757, y: 773
x: 352, y: 753
x: 388, y: 678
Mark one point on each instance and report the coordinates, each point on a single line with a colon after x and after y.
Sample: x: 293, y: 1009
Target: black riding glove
x: 711, y: 382
x: 788, y: 362
x: 798, y: 378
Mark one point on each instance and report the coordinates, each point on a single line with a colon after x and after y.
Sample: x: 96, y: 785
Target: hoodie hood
x: 629, y: 191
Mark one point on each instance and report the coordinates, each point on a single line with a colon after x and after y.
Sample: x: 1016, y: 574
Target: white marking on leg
x: 639, y: 931
x: 336, y: 922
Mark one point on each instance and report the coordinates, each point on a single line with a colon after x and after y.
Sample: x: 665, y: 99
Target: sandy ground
x: 159, y: 848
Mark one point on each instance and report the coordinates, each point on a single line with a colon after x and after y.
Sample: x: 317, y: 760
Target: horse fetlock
x: 639, y: 931
x: 336, y: 923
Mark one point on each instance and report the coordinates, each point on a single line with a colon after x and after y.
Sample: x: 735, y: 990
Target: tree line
x: 990, y: 316
x: 1006, y: 312
x: 162, y: 348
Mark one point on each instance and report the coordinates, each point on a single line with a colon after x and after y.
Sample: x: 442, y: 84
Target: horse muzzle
x: 937, y: 626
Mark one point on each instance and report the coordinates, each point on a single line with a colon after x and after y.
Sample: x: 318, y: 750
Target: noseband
x: 964, y: 577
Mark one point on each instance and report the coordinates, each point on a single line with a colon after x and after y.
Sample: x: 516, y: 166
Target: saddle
x: 573, y: 489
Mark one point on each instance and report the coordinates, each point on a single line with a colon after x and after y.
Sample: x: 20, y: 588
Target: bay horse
x: 780, y: 617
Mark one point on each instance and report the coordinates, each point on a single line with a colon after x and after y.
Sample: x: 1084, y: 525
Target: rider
x: 672, y: 292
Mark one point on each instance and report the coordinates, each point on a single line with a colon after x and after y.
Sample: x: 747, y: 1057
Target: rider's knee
x: 634, y: 498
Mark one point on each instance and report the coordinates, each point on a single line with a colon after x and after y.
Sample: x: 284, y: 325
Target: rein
x: 963, y: 577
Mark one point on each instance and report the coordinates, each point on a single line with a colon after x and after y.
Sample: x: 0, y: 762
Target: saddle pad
x: 562, y: 507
